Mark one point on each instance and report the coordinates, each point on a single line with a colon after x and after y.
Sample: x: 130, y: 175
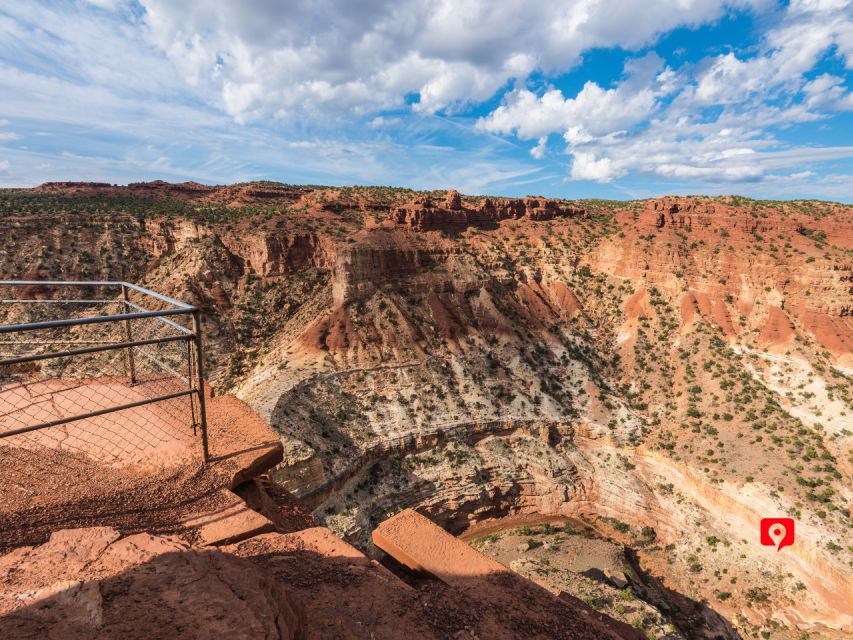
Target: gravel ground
x: 48, y: 489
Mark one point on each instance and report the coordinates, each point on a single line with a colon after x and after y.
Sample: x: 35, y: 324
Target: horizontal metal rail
x: 98, y: 283
x: 59, y: 301
x: 80, y: 352
x: 72, y: 322
x: 171, y: 323
x: 195, y: 380
x: 99, y: 412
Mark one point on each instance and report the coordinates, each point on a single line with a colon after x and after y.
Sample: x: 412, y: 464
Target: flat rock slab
x: 242, y: 445
x: 417, y: 543
x: 152, y: 435
x: 232, y: 522
x: 512, y: 605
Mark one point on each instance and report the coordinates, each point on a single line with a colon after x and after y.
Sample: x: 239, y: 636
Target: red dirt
x: 531, y: 294
x: 51, y: 489
x: 347, y: 596
x: 777, y: 331
x: 688, y: 308
x: 836, y: 334
x: 722, y: 318
x: 637, y: 305
x: 565, y: 298
x: 88, y: 583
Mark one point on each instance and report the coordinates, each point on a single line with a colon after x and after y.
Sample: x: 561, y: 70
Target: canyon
x: 665, y: 372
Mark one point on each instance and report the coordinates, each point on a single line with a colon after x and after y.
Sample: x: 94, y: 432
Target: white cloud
x: 261, y: 58
x: 593, y: 112
x: 7, y: 136
x: 728, y: 80
x: 109, y: 5
x: 791, y: 50
x: 224, y: 91
x: 538, y: 151
x: 64, y: 82
x: 827, y: 92
x: 586, y: 166
x: 706, y: 123
x: 381, y: 121
x: 5, y: 165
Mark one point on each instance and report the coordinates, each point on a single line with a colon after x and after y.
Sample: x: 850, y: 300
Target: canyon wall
x: 664, y: 364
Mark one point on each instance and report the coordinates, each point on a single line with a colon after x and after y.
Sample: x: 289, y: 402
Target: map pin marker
x: 777, y: 534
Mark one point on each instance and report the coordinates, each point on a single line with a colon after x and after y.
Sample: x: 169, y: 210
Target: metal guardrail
x: 139, y: 329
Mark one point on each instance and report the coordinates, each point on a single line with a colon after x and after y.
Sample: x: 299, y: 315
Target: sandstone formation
x: 421, y: 214
x: 90, y: 583
x: 676, y: 364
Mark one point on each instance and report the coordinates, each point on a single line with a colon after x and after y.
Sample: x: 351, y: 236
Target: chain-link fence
x: 105, y: 372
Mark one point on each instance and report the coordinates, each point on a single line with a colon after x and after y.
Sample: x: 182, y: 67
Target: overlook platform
x: 105, y: 418
x: 148, y: 436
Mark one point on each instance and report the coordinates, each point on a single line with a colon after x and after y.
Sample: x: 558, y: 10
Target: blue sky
x: 589, y: 98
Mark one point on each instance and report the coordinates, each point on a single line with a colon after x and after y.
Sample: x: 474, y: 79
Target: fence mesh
x: 79, y: 397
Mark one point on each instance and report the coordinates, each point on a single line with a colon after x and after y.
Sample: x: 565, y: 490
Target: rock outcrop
x: 421, y: 214
x: 479, y: 357
x: 92, y: 584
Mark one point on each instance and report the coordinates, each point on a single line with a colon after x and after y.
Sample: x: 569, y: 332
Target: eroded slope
x: 680, y: 364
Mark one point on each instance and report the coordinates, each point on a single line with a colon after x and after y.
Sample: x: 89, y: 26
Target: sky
x: 573, y: 99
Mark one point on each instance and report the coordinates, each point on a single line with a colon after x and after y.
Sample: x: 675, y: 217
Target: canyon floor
x: 662, y: 373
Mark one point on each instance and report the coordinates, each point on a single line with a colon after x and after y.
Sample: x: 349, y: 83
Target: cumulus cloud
x: 593, y: 112
x: 343, y: 91
x: 381, y: 121
x: 538, y: 151
x: 708, y: 122
x: 586, y: 166
x: 790, y: 50
x: 65, y: 86
x: 828, y: 92
x: 264, y: 59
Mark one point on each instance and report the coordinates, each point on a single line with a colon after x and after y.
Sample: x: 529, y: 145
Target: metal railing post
x: 131, y: 364
x: 200, y: 383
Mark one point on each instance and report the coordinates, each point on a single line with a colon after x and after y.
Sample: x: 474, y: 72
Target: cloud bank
x: 711, y: 121
x: 430, y: 93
